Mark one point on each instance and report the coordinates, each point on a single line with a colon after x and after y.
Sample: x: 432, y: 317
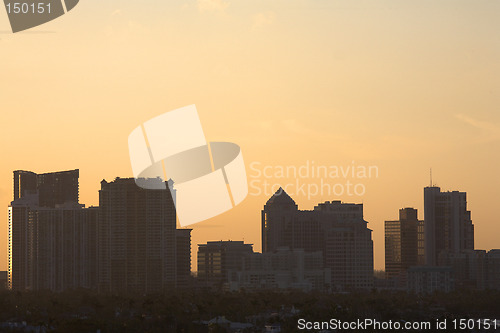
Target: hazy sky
x: 401, y: 85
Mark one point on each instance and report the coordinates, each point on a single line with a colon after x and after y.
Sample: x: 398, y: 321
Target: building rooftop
x: 281, y: 198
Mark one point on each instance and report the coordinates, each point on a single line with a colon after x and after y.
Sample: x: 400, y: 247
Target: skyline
x: 278, y: 193
x: 402, y: 86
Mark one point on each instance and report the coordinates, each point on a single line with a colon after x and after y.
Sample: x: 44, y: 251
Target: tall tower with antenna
x: 447, y: 223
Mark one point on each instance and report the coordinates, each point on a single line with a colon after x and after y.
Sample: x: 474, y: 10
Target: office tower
x: 137, y: 238
x: 52, y: 239
x: 348, y: 248
x: 216, y: 259
x: 183, y: 257
x: 448, y: 224
x: 336, y: 229
x: 401, y: 243
x: 53, y: 188
x: 280, y: 228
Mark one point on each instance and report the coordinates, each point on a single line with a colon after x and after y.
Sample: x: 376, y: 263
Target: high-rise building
x: 25, y: 183
x: 217, y: 259
x: 281, y: 226
x: 21, y: 238
x: 4, y: 280
x: 52, y: 239
x: 421, y: 243
x: 447, y: 222
x: 65, y: 247
x: 401, y: 243
x: 348, y: 247
x: 130, y: 244
x: 53, y: 188
x: 137, y: 238
x: 183, y: 257
x: 336, y: 229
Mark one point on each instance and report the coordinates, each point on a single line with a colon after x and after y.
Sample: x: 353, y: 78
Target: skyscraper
x: 183, y: 257
x: 52, y: 238
x: 65, y: 247
x: 336, y: 229
x: 137, y: 238
x: 447, y: 223
x: 25, y: 183
x: 401, y: 243
x: 53, y: 188
x: 21, y: 238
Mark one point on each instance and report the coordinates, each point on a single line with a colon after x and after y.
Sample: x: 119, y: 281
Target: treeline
x: 183, y: 311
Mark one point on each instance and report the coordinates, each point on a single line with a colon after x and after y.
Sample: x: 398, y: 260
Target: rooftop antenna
x: 431, y: 177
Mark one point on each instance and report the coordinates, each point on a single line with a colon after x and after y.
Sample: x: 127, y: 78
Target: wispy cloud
x: 122, y: 28
x: 116, y: 12
x: 262, y: 20
x: 212, y: 5
x: 478, y: 123
x: 291, y: 127
x: 489, y: 131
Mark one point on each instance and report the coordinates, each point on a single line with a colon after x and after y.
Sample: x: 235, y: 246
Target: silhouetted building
x: 4, y: 277
x: 401, y: 244
x: 469, y: 268
x: 336, y: 229
x: 421, y: 243
x: 21, y: 238
x: 429, y: 279
x: 130, y: 244
x: 53, y: 188
x: 52, y: 239
x: 216, y: 259
x: 65, y: 247
x: 25, y: 183
x: 183, y: 257
x: 137, y: 238
x: 493, y: 269
x: 473, y: 269
x: 281, y: 269
x: 448, y: 224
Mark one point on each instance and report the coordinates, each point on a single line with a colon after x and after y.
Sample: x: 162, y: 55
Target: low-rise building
x: 493, y: 270
x: 429, y: 279
x: 216, y: 259
x: 281, y: 269
x: 469, y: 268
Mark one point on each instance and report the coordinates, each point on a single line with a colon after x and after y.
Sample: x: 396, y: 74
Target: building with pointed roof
x: 336, y: 229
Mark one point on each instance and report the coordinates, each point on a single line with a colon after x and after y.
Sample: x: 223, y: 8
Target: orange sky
x: 401, y: 85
